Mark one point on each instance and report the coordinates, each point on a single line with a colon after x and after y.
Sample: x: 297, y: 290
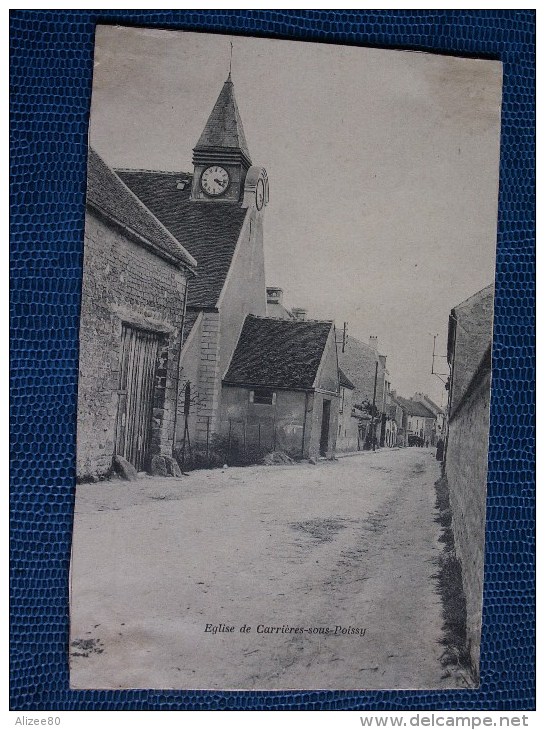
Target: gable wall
x: 244, y: 291
x: 328, y: 373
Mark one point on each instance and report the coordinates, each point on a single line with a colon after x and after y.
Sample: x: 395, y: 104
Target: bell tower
x: 221, y: 157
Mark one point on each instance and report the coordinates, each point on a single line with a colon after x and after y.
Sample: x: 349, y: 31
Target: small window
x: 263, y: 396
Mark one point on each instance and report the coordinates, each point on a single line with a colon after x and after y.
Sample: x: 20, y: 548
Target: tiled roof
x: 208, y: 230
x: 414, y: 408
x: 344, y: 381
x: 278, y: 353
x: 189, y: 321
x: 224, y: 126
x: 107, y: 193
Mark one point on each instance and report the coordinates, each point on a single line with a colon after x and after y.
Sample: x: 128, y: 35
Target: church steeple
x: 223, y: 147
x: 224, y: 126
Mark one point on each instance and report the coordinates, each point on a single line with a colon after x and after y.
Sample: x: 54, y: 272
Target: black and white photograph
x: 285, y: 361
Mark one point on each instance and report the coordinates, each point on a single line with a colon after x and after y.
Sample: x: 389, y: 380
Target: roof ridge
x: 300, y: 321
x: 157, y: 172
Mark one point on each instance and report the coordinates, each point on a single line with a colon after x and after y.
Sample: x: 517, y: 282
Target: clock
x: 215, y: 180
x: 259, y: 194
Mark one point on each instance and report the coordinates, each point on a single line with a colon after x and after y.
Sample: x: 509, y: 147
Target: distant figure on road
x: 440, y: 449
x: 427, y: 444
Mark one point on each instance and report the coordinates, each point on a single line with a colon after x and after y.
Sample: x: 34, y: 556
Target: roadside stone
x: 277, y: 457
x: 159, y: 466
x: 124, y: 468
x: 172, y: 467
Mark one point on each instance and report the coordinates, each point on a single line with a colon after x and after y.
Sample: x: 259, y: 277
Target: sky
x: 382, y: 165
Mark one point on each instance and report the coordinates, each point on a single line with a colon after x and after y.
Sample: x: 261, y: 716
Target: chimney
x: 274, y: 295
x: 373, y: 342
x: 299, y: 313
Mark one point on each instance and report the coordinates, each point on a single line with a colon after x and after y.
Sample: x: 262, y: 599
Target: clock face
x: 215, y: 180
x: 259, y: 194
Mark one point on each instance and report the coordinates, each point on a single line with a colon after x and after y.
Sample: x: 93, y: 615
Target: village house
x: 437, y: 411
x: 281, y: 390
x: 418, y: 422
x: 466, y: 455
x: 361, y: 362
x: 132, y: 316
x: 352, y: 421
x: 216, y: 212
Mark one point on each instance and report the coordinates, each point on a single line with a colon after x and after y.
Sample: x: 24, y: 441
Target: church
x: 216, y: 213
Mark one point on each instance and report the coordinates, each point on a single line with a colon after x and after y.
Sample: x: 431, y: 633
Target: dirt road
x: 330, y: 565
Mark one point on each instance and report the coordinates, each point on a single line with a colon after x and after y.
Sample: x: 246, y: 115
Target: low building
x: 466, y: 453
x: 281, y: 390
x: 130, y: 337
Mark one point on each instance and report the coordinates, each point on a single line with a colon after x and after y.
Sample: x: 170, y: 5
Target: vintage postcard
x: 285, y: 363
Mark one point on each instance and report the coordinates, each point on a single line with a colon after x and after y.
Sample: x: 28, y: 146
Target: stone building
x: 132, y: 317
x: 437, y: 411
x: 466, y: 453
x: 216, y: 212
x: 360, y: 362
x: 281, y: 389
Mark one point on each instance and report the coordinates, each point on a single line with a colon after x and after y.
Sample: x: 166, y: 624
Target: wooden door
x: 324, y: 434
x: 137, y: 383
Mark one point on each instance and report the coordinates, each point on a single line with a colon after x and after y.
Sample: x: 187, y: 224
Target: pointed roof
x: 224, y: 126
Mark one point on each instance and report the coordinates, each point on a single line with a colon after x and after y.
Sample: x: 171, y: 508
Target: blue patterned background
x: 51, y: 68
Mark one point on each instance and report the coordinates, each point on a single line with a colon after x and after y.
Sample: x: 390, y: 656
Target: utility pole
x: 373, y: 435
x: 345, y: 328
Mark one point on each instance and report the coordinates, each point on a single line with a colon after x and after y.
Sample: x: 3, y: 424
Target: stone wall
x: 260, y: 428
x: 123, y: 283
x: 466, y: 471
x: 209, y: 377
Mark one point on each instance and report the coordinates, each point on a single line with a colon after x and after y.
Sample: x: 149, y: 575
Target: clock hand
x: 219, y: 182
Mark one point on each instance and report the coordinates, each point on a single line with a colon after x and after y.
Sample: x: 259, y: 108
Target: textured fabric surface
x: 51, y: 69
